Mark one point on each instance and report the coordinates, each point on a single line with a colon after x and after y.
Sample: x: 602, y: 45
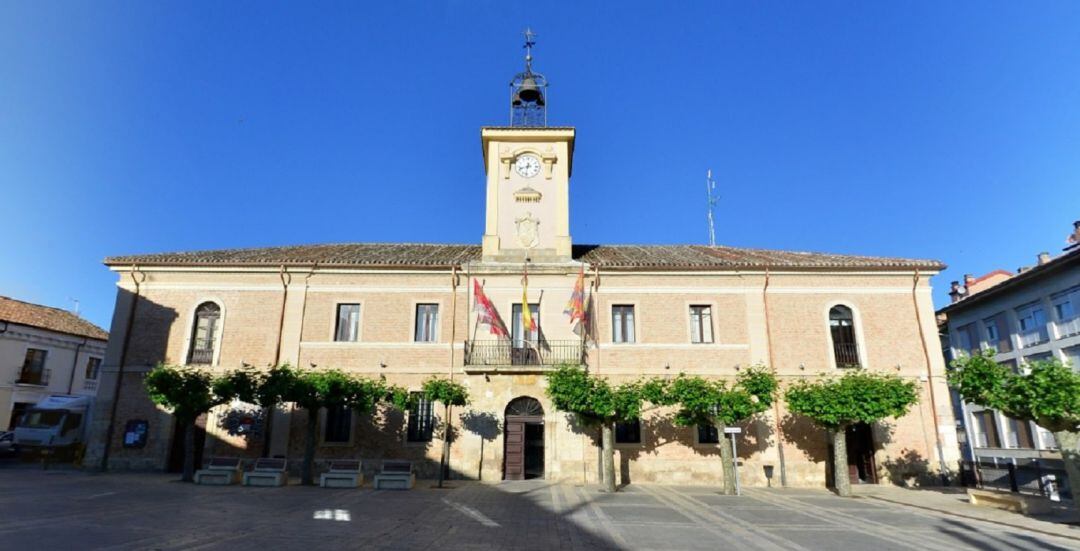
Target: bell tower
x: 528, y: 166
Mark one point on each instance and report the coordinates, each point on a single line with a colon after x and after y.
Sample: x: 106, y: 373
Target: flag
x: 526, y: 313
x: 575, y: 308
x: 486, y: 311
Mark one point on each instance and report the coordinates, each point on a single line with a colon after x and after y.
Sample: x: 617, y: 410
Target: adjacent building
x: 45, y: 351
x: 1032, y: 314
x: 408, y: 312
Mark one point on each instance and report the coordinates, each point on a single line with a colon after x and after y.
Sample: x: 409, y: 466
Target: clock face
x: 527, y: 166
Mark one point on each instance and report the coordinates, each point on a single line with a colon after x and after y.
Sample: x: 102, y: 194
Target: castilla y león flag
x: 486, y: 311
x: 575, y: 308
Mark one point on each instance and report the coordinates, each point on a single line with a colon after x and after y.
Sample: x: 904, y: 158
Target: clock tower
x: 528, y: 166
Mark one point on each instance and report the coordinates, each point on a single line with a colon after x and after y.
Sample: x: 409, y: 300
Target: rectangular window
x: 707, y: 434
x: 622, y: 323
x: 93, y: 366
x: 628, y: 433
x: 986, y: 433
x: 967, y: 340
x: 1067, y: 312
x: 520, y: 333
x: 427, y: 322
x: 421, y: 419
x: 1020, y: 434
x: 1032, y: 325
x: 997, y: 333
x: 1072, y: 357
x: 33, y: 369
x: 348, y: 323
x: 701, y: 324
x: 338, y: 425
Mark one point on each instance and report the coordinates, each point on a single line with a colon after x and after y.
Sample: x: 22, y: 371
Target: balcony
x: 37, y: 377
x: 201, y: 356
x: 1069, y: 327
x: 847, y: 355
x: 90, y: 384
x: 1033, y: 338
x: 507, y: 356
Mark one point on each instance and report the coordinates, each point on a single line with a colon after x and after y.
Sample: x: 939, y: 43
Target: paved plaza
x: 74, y: 510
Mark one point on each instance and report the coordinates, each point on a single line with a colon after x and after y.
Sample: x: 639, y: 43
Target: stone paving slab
x: 147, y: 511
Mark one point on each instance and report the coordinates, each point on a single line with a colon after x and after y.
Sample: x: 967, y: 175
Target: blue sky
x: 922, y: 129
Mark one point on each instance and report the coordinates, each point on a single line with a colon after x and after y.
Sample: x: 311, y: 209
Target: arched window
x: 204, y: 333
x: 842, y: 331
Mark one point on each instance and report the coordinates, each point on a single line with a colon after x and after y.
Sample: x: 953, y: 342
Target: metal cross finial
x: 529, y: 43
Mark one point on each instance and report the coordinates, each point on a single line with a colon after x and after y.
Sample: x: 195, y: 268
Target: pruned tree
x: 703, y: 401
x: 449, y: 394
x: 835, y: 403
x: 1044, y: 391
x: 188, y: 393
x: 314, y: 390
x: 596, y: 402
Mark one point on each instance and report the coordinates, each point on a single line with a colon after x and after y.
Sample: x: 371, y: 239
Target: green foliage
x: 312, y: 390
x: 593, y: 399
x: 275, y: 385
x: 1048, y: 392
x: 446, y: 392
x: 858, y: 396
x: 188, y: 392
x: 709, y: 402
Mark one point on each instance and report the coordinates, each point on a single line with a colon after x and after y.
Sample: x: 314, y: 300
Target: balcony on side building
x: 37, y: 377
x: 509, y: 356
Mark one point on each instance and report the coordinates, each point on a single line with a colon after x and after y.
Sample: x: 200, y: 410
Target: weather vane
x: 529, y: 43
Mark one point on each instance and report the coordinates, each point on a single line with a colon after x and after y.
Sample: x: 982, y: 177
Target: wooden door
x: 176, y: 454
x: 860, y: 454
x: 514, y: 451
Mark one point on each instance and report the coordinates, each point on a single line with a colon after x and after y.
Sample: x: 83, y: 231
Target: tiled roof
x: 605, y: 256
x: 46, y: 317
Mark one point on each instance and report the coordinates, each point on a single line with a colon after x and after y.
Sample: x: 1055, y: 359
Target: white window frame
x: 712, y: 322
x: 190, y: 329
x: 1026, y: 311
x: 437, y: 331
x: 856, y: 321
x: 1072, y: 298
x: 334, y: 321
x: 633, y: 322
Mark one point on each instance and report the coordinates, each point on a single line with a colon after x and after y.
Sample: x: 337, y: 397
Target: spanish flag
x: 526, y: 312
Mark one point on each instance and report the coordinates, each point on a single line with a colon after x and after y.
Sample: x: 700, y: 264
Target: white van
x: 58, y: 421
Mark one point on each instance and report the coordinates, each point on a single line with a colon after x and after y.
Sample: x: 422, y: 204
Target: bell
x: 528, y: 92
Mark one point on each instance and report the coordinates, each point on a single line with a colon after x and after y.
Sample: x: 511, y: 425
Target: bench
x: 342, y: 474
x: 1017, y: 503
x: 267, y: 472
x: 395, y: 475
x: 219, y: 471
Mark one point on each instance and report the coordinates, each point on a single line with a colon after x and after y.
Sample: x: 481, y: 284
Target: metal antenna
x: 76, y: 301
x: 710, y: 185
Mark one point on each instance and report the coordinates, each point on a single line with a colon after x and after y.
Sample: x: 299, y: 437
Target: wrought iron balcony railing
x: 506, y: 353
x: 201, y: 356
x: 847, y: 355
x: 38, y: 377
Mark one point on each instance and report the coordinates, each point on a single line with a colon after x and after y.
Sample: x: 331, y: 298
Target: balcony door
x: 526, y: 350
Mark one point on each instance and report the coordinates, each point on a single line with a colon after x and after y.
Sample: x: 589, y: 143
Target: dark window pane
x: 628, y: 433
x: 93, y: 366
x: 421, y: 423
x: 338, y: 424
x: 707, y: 434
x: 204, y: 334
x: 842, y: 331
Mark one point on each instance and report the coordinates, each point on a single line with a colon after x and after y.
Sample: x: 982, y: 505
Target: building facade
x: 407, y: 312
x: 1031, y: 315
x: 45, y: 351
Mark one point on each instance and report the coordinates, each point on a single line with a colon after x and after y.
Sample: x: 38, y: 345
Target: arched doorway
x: 523, y: 439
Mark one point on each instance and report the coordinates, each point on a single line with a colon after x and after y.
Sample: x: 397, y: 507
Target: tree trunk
x: 307, y: 474
x: 189, y: 451
x: 445, y: 457
x: 268, y: 424
x: 841, y: 479
x: 1069, y: 442
x: 607, y: 442
x: 728, y: 460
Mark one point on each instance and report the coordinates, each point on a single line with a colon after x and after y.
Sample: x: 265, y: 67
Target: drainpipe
x: 776, y: 403
x: 120, y: 369
x: 75, y: 365
x: 303, y: 310
x: 454, y: 281
x: 929, y: 379
x: 286, y: 278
